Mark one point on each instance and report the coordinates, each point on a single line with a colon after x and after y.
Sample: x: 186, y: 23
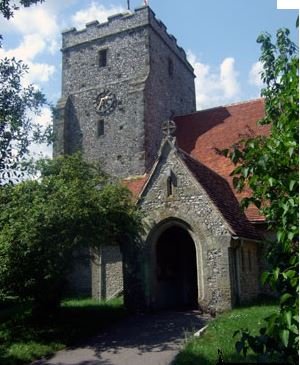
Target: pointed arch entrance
x: 174, y: 268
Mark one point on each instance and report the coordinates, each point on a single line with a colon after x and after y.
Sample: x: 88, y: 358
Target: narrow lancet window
x: 169, y: 186
x: 100, y: 128
x: 103, y: 58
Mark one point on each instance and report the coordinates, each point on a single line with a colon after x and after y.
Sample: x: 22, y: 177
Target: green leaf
x: 291, y: 151
x: 291, y: 235
x: 264, y: 277
x: 289, y: 274
x: 285, y: 297
x: 280, y: 235
x: 294, y: 282
x: 294, y: 329
x: 245, y: 172
x: 288, y: 317
x: 284, y: 335
x: 276, y: 273
x: 292, y: 184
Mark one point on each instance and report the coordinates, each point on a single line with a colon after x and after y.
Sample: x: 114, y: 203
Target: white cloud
x: 40, y: 72
x: 53, y: 46
x: 41, y: 150
x: 94, y: 12
x: 32, y: 20
x: 215, y: 87
x: 38, y: 31
x: 255, y: 74
x: 228, y: 77
x: 29, y: 48
x: 45, y: 117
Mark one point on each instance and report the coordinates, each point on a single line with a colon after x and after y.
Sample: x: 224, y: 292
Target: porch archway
x: 174, y: 269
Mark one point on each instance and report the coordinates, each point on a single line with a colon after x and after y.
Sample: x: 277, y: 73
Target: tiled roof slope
x: 222, y: 196
x: 135, y: 184
x: 201, y: 133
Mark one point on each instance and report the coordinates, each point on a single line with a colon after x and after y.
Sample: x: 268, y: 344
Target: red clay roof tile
x: 223, y: 198
x: 201, y: 133
x: 135, y: 184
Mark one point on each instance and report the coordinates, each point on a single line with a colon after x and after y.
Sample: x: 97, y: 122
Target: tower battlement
x: 123, y: 22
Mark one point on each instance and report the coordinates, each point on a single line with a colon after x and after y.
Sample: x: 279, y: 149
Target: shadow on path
x: 145, y: 339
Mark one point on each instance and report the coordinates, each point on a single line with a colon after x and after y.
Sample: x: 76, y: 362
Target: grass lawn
x: 23, y: 339
x: 203, y: 350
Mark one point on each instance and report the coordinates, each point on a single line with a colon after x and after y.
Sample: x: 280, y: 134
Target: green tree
x: 7, y: 7
x: 269, y: 166
x: 17, y: 130
x: 44, y: 222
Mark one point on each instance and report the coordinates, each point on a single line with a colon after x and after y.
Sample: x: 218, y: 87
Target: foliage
x: 17, y: 130
x: 217, y: 337
x: 45, y: 222
x: 269, y: 166
x: 24, y: 339
x: 7, y: 7
x: 17, y: 104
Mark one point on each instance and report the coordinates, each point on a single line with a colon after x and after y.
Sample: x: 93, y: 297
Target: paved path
x: 152, y: 339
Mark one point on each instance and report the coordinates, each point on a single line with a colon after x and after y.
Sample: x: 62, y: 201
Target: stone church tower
x: 120, y: 80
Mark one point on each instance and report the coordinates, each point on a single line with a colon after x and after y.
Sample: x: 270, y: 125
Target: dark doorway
x: 176, y: 270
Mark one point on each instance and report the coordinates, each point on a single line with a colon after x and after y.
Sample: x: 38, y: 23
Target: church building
x: 128, y: 101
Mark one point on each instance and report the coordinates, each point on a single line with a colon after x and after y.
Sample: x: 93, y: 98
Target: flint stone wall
x: 107, y: 273
x: 139, y: 50
x: 190, y: 204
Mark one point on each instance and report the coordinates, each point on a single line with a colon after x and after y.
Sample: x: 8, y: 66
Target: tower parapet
x: 122, y: 22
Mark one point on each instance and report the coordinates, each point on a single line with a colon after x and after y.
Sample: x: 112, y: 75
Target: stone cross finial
x: 168, y: 129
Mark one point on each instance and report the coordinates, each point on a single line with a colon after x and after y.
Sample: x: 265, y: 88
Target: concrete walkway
x: 152, y: 339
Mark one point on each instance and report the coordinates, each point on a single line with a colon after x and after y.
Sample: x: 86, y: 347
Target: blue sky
x: 219, y: 37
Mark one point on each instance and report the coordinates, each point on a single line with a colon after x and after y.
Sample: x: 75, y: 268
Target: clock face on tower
x: 105, y: 102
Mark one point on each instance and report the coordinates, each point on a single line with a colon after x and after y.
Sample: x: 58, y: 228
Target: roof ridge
x: 244, y: 102
x: 134, y: 177
x: 249, y: 101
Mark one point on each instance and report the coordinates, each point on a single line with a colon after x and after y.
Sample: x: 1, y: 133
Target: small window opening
x: 169, y: 186
x: 100, y: 128
x: 103, y: 58
x: 170, y: 67
x: 171, y: 183
x: 249, y: 260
